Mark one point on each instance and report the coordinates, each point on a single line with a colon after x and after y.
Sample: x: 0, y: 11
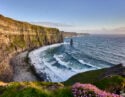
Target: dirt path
x: 22, y: 70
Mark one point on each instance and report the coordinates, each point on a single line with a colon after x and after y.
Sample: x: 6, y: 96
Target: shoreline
x: 23, y: 70
x: 45, y: 71
x: 33, y: 55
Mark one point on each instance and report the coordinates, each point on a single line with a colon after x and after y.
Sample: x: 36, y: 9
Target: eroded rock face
x: 16, y: 36
x: 4, y: 40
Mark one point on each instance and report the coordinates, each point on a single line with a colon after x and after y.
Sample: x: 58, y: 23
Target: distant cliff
x: 72, y: 34
x: 17, y: 36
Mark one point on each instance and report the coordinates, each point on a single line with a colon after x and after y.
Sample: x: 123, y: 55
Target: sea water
x: 59, y: 62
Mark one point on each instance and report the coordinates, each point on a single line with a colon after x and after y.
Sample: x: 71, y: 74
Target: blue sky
x: 85, y: 14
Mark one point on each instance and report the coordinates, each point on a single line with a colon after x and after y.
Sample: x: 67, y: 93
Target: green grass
x: 64, y: 92
x: 111, y: 83
x: 34, y: 89
x: 86, y: 77
x: 50, y: 89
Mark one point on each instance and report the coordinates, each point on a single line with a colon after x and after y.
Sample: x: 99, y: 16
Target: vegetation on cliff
x: 96, y: 87
x: 34, y: 89
x: 109, y: 79
x: 17, y: 36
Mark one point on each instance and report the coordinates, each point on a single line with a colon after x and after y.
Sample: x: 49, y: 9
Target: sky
x: 95, y: 16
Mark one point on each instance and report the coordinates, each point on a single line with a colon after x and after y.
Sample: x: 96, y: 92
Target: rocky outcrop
x: 17, y: 36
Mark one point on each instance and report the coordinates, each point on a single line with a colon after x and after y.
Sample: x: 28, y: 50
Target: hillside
x: 17, y: 36
x: 111, y: 84
x: 109, y: 79
x: 97, y: 75
x: 34, y: 89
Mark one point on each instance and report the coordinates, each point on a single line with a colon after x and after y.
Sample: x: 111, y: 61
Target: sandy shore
x: 22, y: 70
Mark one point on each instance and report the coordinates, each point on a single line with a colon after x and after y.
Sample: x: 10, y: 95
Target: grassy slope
x: 86, y: 77
x: 49, y: 89
x: 35, y: 89
x: 109, y: 83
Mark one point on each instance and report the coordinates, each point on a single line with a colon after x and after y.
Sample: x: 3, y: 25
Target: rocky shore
x: 22, y: 70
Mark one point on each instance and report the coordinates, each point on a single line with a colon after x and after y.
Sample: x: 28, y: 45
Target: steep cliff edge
x: 17, y: 36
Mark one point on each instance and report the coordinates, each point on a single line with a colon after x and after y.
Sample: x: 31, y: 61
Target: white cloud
x: 83, y: 29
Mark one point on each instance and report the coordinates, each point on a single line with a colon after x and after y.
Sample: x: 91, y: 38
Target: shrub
x: 111, y: 84
x: 89, y: 90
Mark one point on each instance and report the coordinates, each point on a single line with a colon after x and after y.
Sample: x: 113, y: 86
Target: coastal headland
x: 18, y: 77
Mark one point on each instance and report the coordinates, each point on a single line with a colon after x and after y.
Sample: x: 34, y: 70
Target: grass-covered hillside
x: 109, y: 79
x: 34, y: 89
x: 86, y: 77
x: 111, y: 84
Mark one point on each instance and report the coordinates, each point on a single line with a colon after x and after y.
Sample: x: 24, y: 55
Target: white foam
x: 57, y: 57
x: 57, y: 74
x: 53, y: 73
x: 38, y: 63
x: 66, y: 64
x: 41, y: 49
x: 83, y: 62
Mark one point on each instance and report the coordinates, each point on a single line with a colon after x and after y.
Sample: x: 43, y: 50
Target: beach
x: 22, y: 70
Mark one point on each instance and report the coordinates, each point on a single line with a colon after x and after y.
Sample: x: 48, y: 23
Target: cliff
x: 73, y: 34
x: 17, y: 36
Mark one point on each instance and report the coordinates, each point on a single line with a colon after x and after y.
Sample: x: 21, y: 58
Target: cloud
x: 82, y: 29
x: 51, y: 24
x: 115, y: 30
x: 120, y: 29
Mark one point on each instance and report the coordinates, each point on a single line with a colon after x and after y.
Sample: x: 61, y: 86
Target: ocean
x: 59, y: 62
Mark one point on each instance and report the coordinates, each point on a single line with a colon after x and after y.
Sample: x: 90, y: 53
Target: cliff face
x: 16, y: 36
